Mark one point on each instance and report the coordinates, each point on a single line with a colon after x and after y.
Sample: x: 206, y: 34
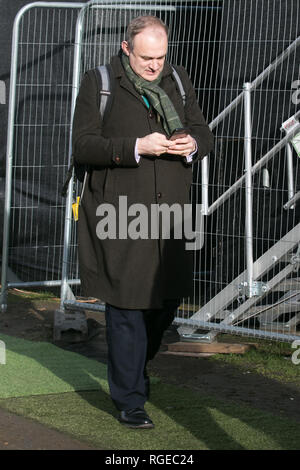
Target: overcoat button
x: 159, y: 195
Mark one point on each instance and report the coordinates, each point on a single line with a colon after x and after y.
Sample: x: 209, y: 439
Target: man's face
x: 147, y: 57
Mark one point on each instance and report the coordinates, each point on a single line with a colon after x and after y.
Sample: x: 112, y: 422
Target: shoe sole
x: 140, y: 426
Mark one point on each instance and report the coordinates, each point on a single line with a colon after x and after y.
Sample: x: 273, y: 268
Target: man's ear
x: 125, y: 47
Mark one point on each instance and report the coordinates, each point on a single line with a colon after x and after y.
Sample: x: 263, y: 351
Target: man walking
x: 130, y: 154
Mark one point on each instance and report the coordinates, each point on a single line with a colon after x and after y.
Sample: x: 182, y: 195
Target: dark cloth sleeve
x: 88, y: 144
x: 195, y: 121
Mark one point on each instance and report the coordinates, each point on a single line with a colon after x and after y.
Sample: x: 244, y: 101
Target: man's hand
x: 157, y: 144
x: 183, y: 146
x: 153, y: 144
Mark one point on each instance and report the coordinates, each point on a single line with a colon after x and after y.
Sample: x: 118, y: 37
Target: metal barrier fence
x: 251, y: 286
x: 43, y: 74
x: 251, y: 239
x: 37, y: 144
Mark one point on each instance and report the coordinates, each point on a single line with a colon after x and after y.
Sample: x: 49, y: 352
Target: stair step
x: 289, y: 284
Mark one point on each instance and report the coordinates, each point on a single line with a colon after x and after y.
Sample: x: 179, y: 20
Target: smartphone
x: 178, y: 133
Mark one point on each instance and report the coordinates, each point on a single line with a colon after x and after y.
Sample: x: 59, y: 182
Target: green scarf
x: 156, y: 96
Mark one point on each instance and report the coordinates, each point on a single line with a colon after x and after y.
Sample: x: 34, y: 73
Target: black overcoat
x: 126, y: 271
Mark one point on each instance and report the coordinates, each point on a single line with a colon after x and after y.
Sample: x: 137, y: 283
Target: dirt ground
x: 33, y: 320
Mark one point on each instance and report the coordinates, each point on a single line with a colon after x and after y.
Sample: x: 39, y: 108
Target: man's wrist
x: 136, y: 152
x: 189, y: 158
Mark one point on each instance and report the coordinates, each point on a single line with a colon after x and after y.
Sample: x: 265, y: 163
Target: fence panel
x: 253, y: 36
x: 38, y: 143
x: 222, y: 44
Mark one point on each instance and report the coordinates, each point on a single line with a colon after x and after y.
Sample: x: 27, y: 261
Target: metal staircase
x: 218, y: 307
x: 237, y: 302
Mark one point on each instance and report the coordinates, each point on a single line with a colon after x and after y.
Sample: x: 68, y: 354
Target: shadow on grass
x: 184, y: 418
x: 193, y: 419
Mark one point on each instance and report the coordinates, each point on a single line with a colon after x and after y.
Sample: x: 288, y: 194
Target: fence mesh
x: 222, y: 44
x: 41, y: 142
x: 252, y: 35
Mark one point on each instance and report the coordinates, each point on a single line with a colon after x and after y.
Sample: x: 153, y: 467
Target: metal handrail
x: 258, y: 165
x: 206, y: 209
x: 292, y: 201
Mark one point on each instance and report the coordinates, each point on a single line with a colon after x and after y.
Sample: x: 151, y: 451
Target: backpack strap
x: 179, y: 83
x: 103, y: 77
x: 105, y: 82
x: 105, y: 90
x: 68, y: 178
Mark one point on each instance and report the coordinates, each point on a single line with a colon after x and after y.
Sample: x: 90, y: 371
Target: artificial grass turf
x: 43, y: 375
x: 184, y: 419
x: 34, y: 368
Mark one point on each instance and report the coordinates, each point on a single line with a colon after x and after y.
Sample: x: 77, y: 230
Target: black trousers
x: 133, y: 338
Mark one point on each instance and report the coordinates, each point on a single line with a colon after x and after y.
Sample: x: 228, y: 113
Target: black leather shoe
x: 136, y: 418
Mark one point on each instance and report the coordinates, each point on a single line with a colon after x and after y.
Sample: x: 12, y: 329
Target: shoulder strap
x: 180, y: 85
x: 105, y: 88
x: 106, y: 92
x: 104, y: 85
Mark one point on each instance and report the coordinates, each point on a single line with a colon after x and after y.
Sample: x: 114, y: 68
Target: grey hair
x: 137, y: 25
